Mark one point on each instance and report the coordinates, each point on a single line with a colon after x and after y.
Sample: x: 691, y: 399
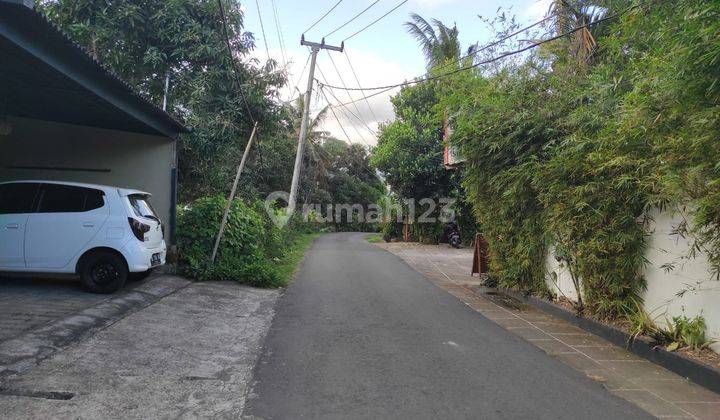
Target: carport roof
x: 47, y: 76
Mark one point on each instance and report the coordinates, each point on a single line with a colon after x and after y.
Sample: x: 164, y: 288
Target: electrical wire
x: 281, y: 40
x: 323, y: 16
x: 232, y: 60
x: 332, y: 110
x: 352, y: 19
x: 262, y: 28
x: 343, y: 107
x: 376, y: 20
x: 347, y: 56
x: 299, y: 79
x: 480, y: 63
x: 349, y: 95
x: 342, y: 127
x: 498, y: 41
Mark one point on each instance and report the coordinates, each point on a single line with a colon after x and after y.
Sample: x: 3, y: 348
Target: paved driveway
x: 360, y: 334
x: 29, y: 302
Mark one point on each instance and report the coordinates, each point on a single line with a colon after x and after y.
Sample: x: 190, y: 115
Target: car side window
x: 69, y: 199
x: 18, y: 198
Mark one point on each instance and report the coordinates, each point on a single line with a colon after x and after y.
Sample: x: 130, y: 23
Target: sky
x: 383, y: 54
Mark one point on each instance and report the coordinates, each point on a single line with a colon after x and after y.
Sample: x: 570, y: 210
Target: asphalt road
x: 362, y: 335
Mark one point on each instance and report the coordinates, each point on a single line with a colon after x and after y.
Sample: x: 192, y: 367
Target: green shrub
x: 246, y: 252
x: 683, y: 331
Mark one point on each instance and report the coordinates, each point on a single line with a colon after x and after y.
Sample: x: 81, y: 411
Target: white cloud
x: 371, y: 69
x: 537, y: 9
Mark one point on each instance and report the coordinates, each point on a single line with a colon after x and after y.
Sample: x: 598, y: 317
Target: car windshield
x: 141, y: 206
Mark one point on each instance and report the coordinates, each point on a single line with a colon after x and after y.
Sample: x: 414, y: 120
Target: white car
x: 104, y: 234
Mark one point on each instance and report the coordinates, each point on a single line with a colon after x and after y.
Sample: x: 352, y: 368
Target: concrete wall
x: 690, y: 274
x: 560, y: 283
x: 124, y: 159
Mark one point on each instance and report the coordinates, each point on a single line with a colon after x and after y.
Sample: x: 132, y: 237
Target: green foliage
x: 143, y: 40
x: 683, y: 331
x: 641, y: 322
x: 499, y: 132
x: 294, y: 253
x: 438, y: 44
x: 410, y: 155
x: 573, y: 146
x: 343, y: 176
x: 374, y: 238
x: 246, y: 249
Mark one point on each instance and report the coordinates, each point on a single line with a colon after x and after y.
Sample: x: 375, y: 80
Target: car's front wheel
x: 103, y: 272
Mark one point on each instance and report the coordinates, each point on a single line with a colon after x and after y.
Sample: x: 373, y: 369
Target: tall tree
x: 145, y: 40
x: 438, y: 41
x: 572, y: 14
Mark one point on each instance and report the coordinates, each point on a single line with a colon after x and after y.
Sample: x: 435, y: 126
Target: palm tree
x: 572, y: 14
x: 439, y: 42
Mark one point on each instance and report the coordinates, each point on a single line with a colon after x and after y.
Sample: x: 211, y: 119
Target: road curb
x: 699, y: 373
x: 19, y: 354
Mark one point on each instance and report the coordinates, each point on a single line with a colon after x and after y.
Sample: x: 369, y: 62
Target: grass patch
x: 288, y: 263
x: 374, y: 238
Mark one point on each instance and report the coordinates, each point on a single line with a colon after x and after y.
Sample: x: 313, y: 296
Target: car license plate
x: 155, y: 259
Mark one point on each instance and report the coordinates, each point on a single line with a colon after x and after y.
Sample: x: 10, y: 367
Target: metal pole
x: 223, y: 223
x: 303, y: 134
x: 304, y: 126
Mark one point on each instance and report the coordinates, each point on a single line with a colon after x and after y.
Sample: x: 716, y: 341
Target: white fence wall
x: 690, y: 274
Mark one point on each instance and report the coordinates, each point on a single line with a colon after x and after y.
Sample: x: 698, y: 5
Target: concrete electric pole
x: 314, y: 47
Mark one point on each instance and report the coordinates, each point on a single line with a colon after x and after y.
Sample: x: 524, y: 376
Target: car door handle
x: 12, y: 226
x: 88, y: 224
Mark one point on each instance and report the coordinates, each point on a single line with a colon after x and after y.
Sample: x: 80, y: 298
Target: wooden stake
x: 223, y: 223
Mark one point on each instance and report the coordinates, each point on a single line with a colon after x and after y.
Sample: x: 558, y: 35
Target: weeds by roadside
x: 288, y: 263
x: 374, y: 238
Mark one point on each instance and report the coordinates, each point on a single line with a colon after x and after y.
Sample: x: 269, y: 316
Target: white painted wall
x: 561, y: 283
x: 664, y: 247
x: 135, y: 160
x: 661, y: 299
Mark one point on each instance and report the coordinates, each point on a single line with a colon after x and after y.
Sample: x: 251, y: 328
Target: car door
x: 17, y: 201
x: 67, y: 218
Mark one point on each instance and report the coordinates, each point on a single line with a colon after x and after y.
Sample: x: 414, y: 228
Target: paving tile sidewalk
x: 656, y: 390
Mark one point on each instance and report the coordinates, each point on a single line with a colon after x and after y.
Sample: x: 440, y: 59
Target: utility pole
x: 223, y: 223
x: 314, y: 47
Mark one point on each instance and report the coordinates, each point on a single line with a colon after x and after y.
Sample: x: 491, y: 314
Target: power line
x: 368, y: 96
x: 485, y: 47
x: 350, y: 96
x: 332, y: 110
x: 262, y: 27
x: 498, y: 41
x: 352, y: 19
x: 377, y: 20
x: 348, y: 111
x: 343, y: 107
x: 342, y: 127
x: 232, y: 61
x: 491, y: 60
x: 323, y: 16
x: 281, y: 41
x: 299, y: 80
x: 347, y: 56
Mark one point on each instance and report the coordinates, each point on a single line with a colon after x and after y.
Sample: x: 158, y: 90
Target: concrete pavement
x: 360, y: 334
x: 187, y: 355
x: 647, y: 385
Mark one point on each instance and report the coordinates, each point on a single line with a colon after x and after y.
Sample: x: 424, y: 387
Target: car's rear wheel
x: 103, y: 272
x: 139, y: 276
